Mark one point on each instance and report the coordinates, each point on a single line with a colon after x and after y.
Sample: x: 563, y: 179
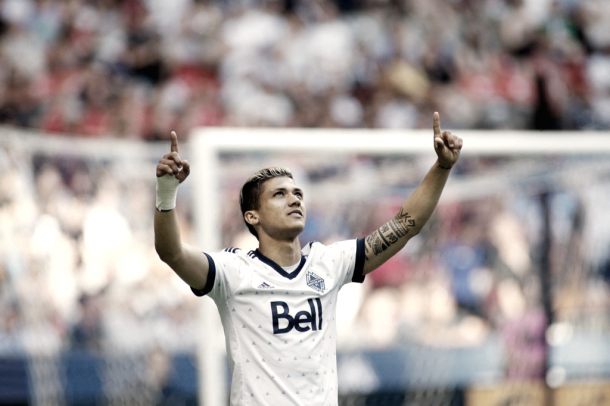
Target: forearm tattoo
x: 388, y: 234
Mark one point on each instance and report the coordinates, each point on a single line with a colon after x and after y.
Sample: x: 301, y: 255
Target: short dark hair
x: 249, y: 196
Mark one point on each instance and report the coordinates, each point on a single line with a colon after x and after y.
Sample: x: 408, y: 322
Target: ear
x: 251, y: 217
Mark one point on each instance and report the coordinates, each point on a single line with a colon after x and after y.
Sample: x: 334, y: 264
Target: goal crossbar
x: 477, y: 142
x: 207, y: 144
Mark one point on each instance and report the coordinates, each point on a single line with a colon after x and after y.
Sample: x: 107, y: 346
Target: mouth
x: 296, y: 213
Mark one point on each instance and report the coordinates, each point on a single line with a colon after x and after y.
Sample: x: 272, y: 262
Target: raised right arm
x: 189, y: 263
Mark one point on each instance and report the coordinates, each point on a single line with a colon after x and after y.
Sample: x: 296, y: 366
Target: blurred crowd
x: 141, y: 68
x: 78, y: 269
x: 77, y: 263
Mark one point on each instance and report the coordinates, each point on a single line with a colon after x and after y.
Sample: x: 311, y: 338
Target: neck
x: 283, y: 253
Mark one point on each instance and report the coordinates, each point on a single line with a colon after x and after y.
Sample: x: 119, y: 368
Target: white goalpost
x: 207, y: 144
x: 546, y: 182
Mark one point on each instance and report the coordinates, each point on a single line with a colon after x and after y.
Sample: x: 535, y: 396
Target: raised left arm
x: 391, y: 237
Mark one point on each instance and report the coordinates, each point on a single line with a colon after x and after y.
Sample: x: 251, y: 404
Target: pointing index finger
x: 436, y: 124
x: 174, y: 145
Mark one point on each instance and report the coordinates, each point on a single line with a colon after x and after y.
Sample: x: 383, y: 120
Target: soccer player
x: 277, y: 303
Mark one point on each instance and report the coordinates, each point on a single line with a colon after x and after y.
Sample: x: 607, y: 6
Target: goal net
x: 503, y: 297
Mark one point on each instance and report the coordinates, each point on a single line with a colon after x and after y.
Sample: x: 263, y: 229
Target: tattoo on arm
x: 388, y: 234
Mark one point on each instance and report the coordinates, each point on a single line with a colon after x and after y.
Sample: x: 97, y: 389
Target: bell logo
x: 303, y: 321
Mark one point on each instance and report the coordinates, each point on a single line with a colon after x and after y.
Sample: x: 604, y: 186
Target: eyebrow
x: 283, y: 189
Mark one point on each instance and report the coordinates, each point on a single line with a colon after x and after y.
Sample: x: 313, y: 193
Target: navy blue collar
x: 278, y: 268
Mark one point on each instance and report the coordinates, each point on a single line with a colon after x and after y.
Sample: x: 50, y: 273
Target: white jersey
x: 280, y: 327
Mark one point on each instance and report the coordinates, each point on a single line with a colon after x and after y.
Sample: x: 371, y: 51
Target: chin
x: 297, y: 232
x: 294, y: 232
x: 288, y: 232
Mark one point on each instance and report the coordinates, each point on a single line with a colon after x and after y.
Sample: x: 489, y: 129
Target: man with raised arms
x: 277, y: 303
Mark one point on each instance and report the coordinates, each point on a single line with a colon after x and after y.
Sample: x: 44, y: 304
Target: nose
x: 294, y: 200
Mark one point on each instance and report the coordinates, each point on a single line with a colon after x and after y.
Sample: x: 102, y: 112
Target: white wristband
x: 167, y: 190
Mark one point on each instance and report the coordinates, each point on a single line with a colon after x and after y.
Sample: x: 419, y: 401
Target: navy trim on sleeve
x: 211, y: 278
x: 358, y: 276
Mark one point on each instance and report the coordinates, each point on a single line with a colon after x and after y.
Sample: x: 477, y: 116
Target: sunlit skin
x: 281, y: 215
x: 279, y: 219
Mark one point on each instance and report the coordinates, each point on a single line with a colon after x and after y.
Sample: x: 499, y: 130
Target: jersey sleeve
x: 211, y: 278
x: 358, y: 275
x: 225, y: 273
x: 349, y: 255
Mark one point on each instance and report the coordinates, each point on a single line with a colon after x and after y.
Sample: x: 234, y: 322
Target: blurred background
x: 501, y: 300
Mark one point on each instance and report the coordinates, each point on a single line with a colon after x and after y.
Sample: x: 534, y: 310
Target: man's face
x: 281, y: 213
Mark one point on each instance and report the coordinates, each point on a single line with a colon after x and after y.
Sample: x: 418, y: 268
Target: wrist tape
x: 167, y: 190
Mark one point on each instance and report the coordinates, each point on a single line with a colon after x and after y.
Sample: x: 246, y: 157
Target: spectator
x: 136, y: 68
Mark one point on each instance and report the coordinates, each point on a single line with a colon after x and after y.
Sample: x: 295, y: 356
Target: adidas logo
x: 265, y: 285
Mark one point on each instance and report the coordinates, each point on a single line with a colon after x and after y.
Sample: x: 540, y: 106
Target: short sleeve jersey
x: 280, y: 327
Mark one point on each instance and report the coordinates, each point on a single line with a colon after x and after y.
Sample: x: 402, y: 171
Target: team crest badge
x: 315, y: 282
